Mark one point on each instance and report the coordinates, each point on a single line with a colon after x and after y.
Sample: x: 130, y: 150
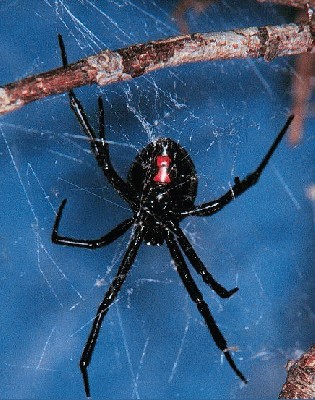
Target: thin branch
x: 113, y: 66
x: 291, y: 3
x: 301, y: 91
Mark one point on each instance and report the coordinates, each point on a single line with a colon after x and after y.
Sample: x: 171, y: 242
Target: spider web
x: 153, y: 343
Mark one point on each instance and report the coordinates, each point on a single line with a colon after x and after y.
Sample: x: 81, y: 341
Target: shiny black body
x: 161, y: 189
x: 166, y: 200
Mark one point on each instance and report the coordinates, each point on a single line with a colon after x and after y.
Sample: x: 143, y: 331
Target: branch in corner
x: 291, y: 3
x: 300, y: 383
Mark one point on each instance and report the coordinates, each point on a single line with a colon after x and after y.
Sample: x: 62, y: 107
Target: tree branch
x: 113, y: 66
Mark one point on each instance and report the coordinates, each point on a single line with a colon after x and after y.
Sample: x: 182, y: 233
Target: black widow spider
x: 161, y: 189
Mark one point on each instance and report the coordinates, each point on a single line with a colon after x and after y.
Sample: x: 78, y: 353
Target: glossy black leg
x: 88, y: 243
x: 200, y: 267
x: 202, y: 306
x: 98, y: 144
x: 108, y: 300
x: 240, y: 186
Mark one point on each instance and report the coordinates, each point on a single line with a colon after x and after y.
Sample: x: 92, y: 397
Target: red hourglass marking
x: 163, y: 162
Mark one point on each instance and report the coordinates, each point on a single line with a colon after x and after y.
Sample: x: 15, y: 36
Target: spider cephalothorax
x: 161, y: 190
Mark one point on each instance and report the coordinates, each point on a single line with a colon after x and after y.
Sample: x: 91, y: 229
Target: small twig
x: 291, y: 3
x: 112, y: 66
x: 300, y: 383
x: 301, y: 91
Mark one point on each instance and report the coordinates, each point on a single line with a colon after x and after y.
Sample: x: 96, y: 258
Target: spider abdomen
x: 164, y: 176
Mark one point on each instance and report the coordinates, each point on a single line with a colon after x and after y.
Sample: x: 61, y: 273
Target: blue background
x: 153, y: 343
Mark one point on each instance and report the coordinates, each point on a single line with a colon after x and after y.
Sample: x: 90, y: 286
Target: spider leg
x: 99, y: 146
x: 109, y: 298
x: 202, y: 306
x: 240, y: 186
x: 199, y: 266
x: 192, y: 256
x: 90, y: 244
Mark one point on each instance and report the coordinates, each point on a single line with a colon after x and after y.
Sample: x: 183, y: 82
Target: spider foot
x: 230, y: 360
x: 83, y: 368
x: 230, y: 293
x: 62, y: 205
x: 59, y: 213
x: 62, y: 50
x: 54, y: 236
